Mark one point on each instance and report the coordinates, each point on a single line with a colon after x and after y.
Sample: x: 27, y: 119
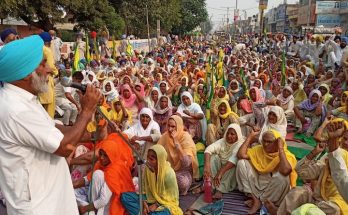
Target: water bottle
x: 263, y: 210
x: 208, y: 191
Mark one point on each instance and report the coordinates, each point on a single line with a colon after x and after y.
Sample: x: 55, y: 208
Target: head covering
x: 142, y: 88
x: 185, y: 140
x: 307, y: 104
x: 259, y: 97
x: 118, y: 116
x: 46, y: 37
x: 86, y: 79
x: 5, y: 33
x: 20, y: 58
x: 128, y: 102
x: 284, y: 101
x: 328, y: 189
x: 193, y: 107
x: 112, y: 94
x: 118, y: 174
x: 265, y: 162
x: 139, y: 130
x: 227, y: 151
x: 279, y: 126
x: 151, y: 103
x: 308, y: 209
x: 158, y: 109
x: 228, y: 110
x: 162, y: 188
x: 327, y: 97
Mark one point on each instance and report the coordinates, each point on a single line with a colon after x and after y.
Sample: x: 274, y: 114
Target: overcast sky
x: 217, y: 8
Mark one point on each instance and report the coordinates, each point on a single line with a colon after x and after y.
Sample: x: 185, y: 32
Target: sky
x: 217, y: 9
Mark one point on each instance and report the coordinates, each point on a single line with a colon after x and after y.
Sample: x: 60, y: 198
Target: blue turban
x: 46, y: 37
x: 7, y: 32
x: 20, y: 58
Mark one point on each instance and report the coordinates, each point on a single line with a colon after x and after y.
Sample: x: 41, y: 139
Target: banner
x: 344, y: 7
x: 325, y: 7
x: 263, y: 4
x: 328, y: 20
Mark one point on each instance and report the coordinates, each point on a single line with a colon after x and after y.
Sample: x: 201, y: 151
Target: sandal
x: 197, y: 189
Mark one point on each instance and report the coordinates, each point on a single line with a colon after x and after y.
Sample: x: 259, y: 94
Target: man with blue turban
x: 47, y: 99
x: 8, y: 35
x: 34, y: 175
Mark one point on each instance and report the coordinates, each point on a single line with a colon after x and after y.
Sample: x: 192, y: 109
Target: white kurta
x: 33, y: 180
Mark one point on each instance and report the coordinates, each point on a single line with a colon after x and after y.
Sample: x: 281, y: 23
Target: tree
x: 134, y: 14
x: 94, y: 15
x: 44, y: 14
x: 206, y: 26
x: 193, y: 12
x: 39, y: 13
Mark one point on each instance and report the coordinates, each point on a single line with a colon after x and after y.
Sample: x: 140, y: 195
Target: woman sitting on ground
x: 274, y: 118
x: 311, y: 112
x: 221, y: 119
x: 192, y: 115
x: 220, y: 160
x: 181, y: 153
x: 265, y: 171
x: 162, y: 112
x: 285, y: 100
x: 111, y: 177
x: 120, y: 115
x: 160, y: 186
x: 144, y: 133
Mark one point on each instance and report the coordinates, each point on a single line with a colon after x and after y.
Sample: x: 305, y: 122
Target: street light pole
x: 235, y: 20
x: 148, y: 28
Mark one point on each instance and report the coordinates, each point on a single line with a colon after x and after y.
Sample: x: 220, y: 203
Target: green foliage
x: 118, y: 16
x: 39, y: 13
x: 134, y: 14
x: 95, y: 15
x: 193, y: 13
x: 206, y: 26
x: 44, y: 14
x: 67, y: 35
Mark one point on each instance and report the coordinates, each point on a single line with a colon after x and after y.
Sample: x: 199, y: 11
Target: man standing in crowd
x: 34, y: 175
x: 56, y: 45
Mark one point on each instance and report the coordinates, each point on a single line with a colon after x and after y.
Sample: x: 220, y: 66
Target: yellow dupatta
x: 299, y: 96
x: 327, y: 96
x: 220, y: 73
x: 228, y: 110
x: 163, y: 188
x: 117, y: 116
x: 328, y: 189
x: 343, y: 107
x: 265, y: 162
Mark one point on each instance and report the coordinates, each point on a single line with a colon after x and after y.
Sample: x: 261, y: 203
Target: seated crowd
x: 235, y: 106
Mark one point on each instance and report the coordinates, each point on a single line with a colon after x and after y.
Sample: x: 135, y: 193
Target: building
x: 271, y: 20
x: 22, y: 28
x: 292, y: 14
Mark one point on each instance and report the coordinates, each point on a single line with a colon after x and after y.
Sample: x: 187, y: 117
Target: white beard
x: 40, y: 84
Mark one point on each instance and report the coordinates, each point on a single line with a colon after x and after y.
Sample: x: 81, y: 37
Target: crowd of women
x: 236, y: 103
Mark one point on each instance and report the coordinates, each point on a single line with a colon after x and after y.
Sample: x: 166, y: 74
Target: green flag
x: 283, y: 79
x: 244, y: 83
x: 211, y: 83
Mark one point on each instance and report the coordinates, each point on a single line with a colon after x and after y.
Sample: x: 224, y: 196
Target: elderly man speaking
x: 34, y: 175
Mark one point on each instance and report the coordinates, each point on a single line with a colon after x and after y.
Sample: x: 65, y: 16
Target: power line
x: 216, y: 8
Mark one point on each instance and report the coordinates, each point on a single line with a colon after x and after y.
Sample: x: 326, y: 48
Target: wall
x: 22, y: 30
x: 302, y: 15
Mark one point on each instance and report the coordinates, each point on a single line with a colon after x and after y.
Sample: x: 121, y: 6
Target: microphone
x: 67, y: 82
